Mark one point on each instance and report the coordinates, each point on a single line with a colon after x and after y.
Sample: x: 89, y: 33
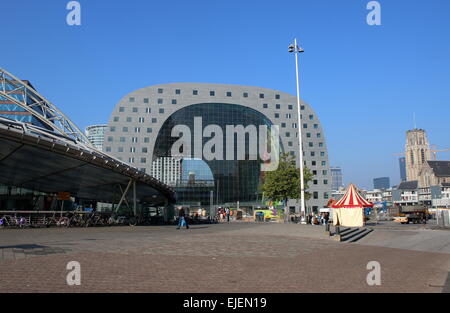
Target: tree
x: 284, y: 183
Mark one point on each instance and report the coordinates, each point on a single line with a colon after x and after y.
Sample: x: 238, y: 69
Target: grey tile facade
x: 137, y: 119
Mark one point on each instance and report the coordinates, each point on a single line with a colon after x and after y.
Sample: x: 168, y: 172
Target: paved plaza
x: 234, y: 257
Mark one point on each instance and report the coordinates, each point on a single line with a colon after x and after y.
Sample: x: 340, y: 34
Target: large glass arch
x: 234, y: 180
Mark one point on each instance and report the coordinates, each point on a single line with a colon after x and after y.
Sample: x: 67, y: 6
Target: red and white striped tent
x: 352, y: 199
x: 349, y: 210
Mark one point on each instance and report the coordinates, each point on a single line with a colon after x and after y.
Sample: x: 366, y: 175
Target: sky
x: 364, y: 82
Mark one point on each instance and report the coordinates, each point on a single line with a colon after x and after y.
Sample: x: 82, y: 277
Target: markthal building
x: 204, y: 140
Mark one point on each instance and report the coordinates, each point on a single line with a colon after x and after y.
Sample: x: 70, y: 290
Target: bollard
x: 338, y: 231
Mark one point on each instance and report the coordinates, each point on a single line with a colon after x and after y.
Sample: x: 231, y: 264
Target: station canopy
x: 352, y: 199
x: 40, y: 160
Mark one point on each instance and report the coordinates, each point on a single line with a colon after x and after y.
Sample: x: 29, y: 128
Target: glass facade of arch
x: 232, y: 180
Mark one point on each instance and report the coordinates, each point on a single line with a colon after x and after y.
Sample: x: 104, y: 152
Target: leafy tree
x: 284, y: 183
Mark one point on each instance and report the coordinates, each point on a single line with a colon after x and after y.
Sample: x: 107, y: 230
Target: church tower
x: 417, y: 152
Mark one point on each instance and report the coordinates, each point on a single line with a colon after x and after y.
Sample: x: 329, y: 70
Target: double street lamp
x: 294, y: 48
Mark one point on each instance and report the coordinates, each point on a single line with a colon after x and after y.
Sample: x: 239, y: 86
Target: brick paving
x: 247, y: 258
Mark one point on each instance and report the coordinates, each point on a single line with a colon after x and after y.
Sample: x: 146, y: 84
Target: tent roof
x: 352, y: 199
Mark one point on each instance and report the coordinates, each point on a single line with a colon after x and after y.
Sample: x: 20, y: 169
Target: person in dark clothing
x: 181, y: 218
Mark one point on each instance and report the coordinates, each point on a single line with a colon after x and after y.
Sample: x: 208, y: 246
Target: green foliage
x: 284, y: 183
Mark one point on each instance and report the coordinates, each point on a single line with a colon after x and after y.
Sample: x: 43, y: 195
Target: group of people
x: 224, y: 213
x: 316, y: 219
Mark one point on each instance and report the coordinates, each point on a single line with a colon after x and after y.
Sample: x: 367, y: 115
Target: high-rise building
x: 96, y: 134
x: 402, y: 165
x: 382, y: 183
x: 417, y: 153
x: 145, y: 125
x: 336, y: 178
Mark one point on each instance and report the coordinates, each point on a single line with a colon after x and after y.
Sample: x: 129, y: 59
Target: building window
x: 116, y: 118
x: 154, y: 120
x: 302, y: 107
x: 177, y: 91
x: 149, y: 130
x: 305, y: 125
x: 308, y: 135
x: 311, y: 144
x: 315, y: 195
x: 313, y: 154
x: 132, y: 99
x: 290, y: 144
x: 311, y: 117
x: 194, y: 92
x: 122, y: 139
x: 325, y: 181
x: 160, y: 90
x: 141, y: 120
x: 131, y: 160
x: 283, y: 125
x: 146, y: 140
x: 135, y: 110
x: 319, y: 135
x: 290, y: 107
x: 325, y: 195
x: 148, y: 110
x: 143, y: 160
x: 212, y: 93
x: 129, y: 119
x: 120, y: 149
x: 161, y: 111
x: 110, y: 139
x: 174, y: 101
x: 229, y: 94
x: 112, y: 128
x: 288, y: 134
x: 144, y: 150
x: 278, y: 106
x: 265, y: 106
x: 324, y: 172
x: 137, y: 129
x: 245, y: 94
x: 121, y: 109
x: 108, y: 149
x: 294, y: 125
x: 125, y: 129
x: 277, y: 97
x: 322, y: 154
x: 160, y: 101
x: 146, y: 100
x: 315, y: 181
x: 261, y: 96
x: 320, y: 144
x: 316, y: 126
x: 324, y: 163
x: 133, y: 149
x: 313, y: 163
x: 288, y: 115
x: 277, y: 115
x: 134, y: 139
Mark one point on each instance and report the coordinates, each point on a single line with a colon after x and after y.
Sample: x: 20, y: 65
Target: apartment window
x: 112, y: 128
x: 146, y: 100
x: 288, y: 115
x: 194, y: 92
x: 135, y: 110
x: 320, y: 144
x: 313, y: 153
x: 325, y: 195
x: 316, y: 126
x: 322, y: 154
x: 319, y: 135
x: 154, y: 120
x: 313, y: 163
x: 149, y: 130
x: 148, y: 110
x: 277, y: 97
x: 141, y: 120
x: 288, y: 134
x: 174, y: 101
x: 134, y: 139
x: 261, y: 96
x: 143, y: 160
x: 283, y: 125
x: 132, y: 99
x: 277, y: 115
x: 311, y: 117
x: 120, y: 149
x: 294, y: 125
x: 110, y: 139
x: 229, y: 93
x: 122, y: 139
x: 308, y: 135
x: 133, y: 149
x: 315, y: 182
x: 177, y: 91
x: 144, y: 150
x: 160, y: 90
x: 160, y: 101
x: 116, y: 118
x: 245, y: 94
x: 305, y: 125
x: 131, y: 160
x: 315, y: 195
x: 324, y: 163
x: 137, y: 129
x: 121, y: 109
x: 324, y: 172
x: 129, y: 119
x: 290, y: 144
x: 212, y: 93
x: 278, y: 106
x: 125, y: 129
x: 108, y: 149
x: 311, y: 144
x: 325, y: 181
x: 265, y: 106
x: 161, y: 111
x: 302, y: 107
x: 146, y: 140
x: 314, y: 173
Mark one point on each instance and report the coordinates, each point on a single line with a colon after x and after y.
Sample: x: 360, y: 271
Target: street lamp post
x: 294, y: 48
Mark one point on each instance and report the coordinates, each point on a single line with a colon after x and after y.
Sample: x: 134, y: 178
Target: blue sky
x: 364, y: 81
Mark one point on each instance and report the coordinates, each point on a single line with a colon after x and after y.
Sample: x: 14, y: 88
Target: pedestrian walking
x: 227, y: 212
x: 182, y: 220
